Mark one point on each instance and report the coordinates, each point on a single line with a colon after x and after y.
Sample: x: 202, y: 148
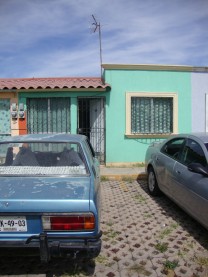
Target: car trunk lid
x: 44, y: 194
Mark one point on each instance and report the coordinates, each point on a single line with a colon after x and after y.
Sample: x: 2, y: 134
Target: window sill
x: 147, y: 136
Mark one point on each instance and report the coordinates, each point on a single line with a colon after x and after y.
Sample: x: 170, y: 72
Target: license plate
x: 13, y: 224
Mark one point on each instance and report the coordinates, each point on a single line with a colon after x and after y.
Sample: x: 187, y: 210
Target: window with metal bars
x: 151, y: 115
x: 5, y: 124
x: 48, y: 115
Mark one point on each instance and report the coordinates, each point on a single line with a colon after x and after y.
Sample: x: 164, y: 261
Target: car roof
x: 57, y: 137
x: 203, y: 136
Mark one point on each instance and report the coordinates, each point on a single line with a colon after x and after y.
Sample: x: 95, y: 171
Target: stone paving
x: 142, y: 236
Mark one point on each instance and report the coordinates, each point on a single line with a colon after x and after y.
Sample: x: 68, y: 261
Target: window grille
x: 48, y: 115
x: 151, y: 115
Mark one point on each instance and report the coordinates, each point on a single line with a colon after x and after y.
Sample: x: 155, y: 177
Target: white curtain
x: 151, y: 115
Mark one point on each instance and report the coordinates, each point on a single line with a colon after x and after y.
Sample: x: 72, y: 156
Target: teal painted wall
x: 120, y: 149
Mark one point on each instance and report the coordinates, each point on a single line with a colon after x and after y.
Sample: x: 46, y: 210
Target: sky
x: 57, y: 38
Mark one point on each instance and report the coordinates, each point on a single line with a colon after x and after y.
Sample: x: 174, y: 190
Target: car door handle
x: 178, y: 172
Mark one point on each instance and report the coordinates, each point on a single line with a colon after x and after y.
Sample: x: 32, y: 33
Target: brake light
x: 69, y: 222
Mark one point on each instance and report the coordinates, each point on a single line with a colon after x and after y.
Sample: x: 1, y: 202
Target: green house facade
x: 123, y: 112
x: 143, y: 88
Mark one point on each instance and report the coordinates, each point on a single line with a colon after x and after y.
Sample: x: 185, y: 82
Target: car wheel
x: 152, y: 183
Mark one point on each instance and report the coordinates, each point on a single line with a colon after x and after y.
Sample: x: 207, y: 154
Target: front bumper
x: 54, y: 246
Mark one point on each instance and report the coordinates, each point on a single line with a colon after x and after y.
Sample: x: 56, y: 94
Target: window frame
x: 129, y: 95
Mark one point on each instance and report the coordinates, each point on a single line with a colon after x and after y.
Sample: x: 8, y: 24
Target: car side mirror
x: 198, y: 168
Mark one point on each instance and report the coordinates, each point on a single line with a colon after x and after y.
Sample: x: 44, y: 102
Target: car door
x: 165, y: 163
x: 189, y: 189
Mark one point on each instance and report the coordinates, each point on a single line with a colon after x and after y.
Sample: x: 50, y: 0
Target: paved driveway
x: 143, y: 236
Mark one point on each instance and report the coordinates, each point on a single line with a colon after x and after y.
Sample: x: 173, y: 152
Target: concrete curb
x: 122, y: 173
x: 123, y: 177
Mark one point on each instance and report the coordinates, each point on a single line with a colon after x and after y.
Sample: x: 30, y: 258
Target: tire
x: 152, y: 183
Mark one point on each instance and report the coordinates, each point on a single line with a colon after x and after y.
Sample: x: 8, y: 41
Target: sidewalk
x: 142, y: 236
x: 122, y: 173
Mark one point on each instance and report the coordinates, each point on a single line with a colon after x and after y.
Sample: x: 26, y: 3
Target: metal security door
x: 91, y: 122
x: 5, y: 125
x: 48, y: 115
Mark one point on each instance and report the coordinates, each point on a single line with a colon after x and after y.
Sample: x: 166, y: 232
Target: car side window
x: 193, y: 153
x: 172, y: 148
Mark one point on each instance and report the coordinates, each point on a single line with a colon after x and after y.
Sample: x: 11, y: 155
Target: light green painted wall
x: 120, y: 149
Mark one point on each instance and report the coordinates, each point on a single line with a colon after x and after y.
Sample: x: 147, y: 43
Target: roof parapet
x: 155, y: 67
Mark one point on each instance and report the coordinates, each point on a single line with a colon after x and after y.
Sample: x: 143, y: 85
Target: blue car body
x: 50, y: 202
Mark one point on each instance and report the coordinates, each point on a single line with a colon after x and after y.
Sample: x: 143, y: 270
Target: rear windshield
x: 41, y: 158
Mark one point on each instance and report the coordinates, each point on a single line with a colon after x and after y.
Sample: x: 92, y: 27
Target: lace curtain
x: 151, y: 115
x: 48, y: 115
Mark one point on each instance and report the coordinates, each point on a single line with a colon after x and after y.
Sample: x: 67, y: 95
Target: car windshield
x: 42, y: 158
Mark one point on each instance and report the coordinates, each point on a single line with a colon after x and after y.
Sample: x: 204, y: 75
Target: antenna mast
x: 97, y: 26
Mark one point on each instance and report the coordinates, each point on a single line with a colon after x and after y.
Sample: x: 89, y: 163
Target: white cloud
x: 51, y: 37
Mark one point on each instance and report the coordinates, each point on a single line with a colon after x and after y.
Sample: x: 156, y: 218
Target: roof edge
x: 156, y: 67
x: 53, y: 83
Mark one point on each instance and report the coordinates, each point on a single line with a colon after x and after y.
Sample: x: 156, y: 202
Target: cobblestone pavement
x: 142, y: 236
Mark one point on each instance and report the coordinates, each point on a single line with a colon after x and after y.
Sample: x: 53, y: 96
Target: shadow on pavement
x: 56, y: 267
x: 172, y: 210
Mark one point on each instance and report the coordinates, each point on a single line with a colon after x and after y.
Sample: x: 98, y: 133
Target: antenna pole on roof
x: 96, y: 26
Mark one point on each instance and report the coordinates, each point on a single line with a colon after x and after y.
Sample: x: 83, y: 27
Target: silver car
x: 178, y: 167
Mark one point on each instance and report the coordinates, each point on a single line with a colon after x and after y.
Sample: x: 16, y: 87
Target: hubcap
x: 151, y: 181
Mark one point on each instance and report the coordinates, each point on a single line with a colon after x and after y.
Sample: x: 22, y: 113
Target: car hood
x: 44, y: 194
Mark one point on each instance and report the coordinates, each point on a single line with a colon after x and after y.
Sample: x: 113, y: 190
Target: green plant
x: 140, y: 198
x: 104, y: 178
x: 185, y: 248
x: 203, y: 261
x: 110, y: 234
x: 109, y: 223
x: 167, y: 231
x: 170, y: 264
x: 129, y: 179
x: 113, y: 234
x: 182, y: 253
x: 161, y: 247
x: 101, y: 259
x: 173, y: 225
x: 147, y: 215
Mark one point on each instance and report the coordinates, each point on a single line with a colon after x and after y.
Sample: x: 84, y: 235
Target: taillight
x: 68, y: 222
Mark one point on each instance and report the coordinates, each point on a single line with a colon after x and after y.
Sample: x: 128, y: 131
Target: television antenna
x: 96, y: 27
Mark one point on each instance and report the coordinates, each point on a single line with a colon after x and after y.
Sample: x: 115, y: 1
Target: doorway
x: 91, y: 123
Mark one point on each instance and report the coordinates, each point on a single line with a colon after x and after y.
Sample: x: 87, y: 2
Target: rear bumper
x: 75, y: 248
